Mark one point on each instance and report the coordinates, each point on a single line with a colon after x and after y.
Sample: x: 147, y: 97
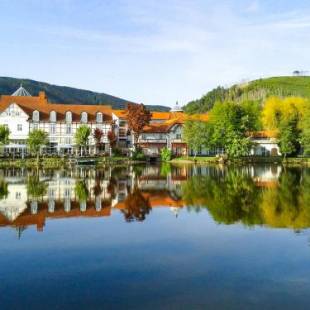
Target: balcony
x: 177, y: 141
x: 152, y: 140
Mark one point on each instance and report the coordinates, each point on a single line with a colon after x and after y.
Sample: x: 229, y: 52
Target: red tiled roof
x: 39, y: 103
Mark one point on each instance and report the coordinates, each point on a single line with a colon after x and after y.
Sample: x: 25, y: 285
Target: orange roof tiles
x: 29, y: 104
x: 40, y: 103
x: 263, y: 134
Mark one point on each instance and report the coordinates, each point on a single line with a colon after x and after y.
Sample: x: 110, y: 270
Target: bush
x: 138, y: 154
x: 116, y: 152
x: 165, y: 154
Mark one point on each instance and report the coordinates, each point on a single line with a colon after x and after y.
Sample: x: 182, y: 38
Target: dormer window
x: 53, y: 116
x: 68, y: 117
x: 84, y: 117
x: 36, y: 116
x: 99, y: 118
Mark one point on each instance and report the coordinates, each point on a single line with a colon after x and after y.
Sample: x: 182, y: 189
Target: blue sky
x: 153, y: 51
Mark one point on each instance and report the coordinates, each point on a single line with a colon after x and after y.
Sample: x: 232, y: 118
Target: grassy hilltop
x: 254, y: 90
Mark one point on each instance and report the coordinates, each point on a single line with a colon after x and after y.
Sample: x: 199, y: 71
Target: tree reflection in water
x: 231, y: 198
x: 235, y: 197
x: 35, y: 188
x: 136, y: 206
x: 4, y: 192
x: 252, y: 195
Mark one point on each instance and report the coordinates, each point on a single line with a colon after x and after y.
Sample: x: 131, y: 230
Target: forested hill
x: 68, y: 95
x: 255, y: 90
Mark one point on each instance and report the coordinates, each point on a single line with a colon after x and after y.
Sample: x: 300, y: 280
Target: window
x: 68, y: 141
x: 53, y: 116
x: 68, y: 129
x: 35, y: 126
x: 19, y: 127
x: 99, y: 118
x: 18, y: 195
x: 122, y: 123
x: 84, y: 117
x: 178, y: 136
x: 35, y: 116
x: 52, y: 129
x: 68, y: 117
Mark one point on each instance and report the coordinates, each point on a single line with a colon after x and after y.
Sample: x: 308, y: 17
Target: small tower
x: 21, y: 92
x: 177, y: 108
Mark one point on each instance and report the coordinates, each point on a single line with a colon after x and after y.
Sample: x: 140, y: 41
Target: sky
x: 153, y: 51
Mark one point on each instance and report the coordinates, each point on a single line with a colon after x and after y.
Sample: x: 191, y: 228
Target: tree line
x: 232, y: 124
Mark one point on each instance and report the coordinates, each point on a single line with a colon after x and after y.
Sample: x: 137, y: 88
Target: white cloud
x: 160, y: 51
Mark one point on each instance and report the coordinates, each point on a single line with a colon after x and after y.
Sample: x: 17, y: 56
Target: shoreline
x: 302, y: 161
x: 58, y: 162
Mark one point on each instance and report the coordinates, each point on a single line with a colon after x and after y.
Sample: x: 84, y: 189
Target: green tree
x: 165, y: 154
x: 231, y: 124
x: 81, y: 137
x: 197, y: 134
x: 4, y: 135
x: 288, y: 137
x: 305, y: 132
x: 206, y: 102
x: 37, y: 139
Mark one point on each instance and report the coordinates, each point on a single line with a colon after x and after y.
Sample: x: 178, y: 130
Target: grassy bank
x: 59, y: 162
x: 190, y: 160
x: 244, y: 160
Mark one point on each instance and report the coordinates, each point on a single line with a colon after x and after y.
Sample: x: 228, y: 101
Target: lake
x: 155, y: 237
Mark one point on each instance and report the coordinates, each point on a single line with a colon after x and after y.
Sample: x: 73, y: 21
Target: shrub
x: 138, y: 154
x: 165, y: 154
x: 116, y: 152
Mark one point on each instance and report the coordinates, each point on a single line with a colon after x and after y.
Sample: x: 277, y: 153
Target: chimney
x: 42, y: 95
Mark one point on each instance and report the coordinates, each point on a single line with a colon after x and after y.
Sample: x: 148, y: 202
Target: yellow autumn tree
x: 276, y: 110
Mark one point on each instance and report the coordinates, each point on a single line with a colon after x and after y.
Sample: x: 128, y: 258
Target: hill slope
x: 68, y: 95
x: 254, y: 90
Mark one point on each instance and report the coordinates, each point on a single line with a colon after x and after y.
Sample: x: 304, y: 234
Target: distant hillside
x: 68, y: 95
x: 255, y: 90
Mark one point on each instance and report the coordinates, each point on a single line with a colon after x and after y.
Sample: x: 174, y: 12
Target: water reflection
x: 251, y: 195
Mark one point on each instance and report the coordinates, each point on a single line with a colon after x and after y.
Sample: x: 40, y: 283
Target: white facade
x: 265, y: 147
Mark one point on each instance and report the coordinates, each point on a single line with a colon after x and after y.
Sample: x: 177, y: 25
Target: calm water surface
x: 169, y: 237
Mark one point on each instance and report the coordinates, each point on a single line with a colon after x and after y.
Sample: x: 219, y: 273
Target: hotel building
x: 22, y: 113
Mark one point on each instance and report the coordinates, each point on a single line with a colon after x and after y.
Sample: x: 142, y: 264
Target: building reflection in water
x: 253, y: 195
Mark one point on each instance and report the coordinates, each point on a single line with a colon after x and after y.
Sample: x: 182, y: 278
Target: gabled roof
x: 174, y: 119
x: 40, y: 103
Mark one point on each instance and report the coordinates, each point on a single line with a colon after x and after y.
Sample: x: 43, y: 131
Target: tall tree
x: 305, y: 132
x: 112, y: 139
x: 4, y: 135
x: 289, y: 136
x: 37, y: 139
x: 137, y: 117
x: 197, y: 135
x: 98, y: 134
x: 81, y: 137
x: 231, y: 125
